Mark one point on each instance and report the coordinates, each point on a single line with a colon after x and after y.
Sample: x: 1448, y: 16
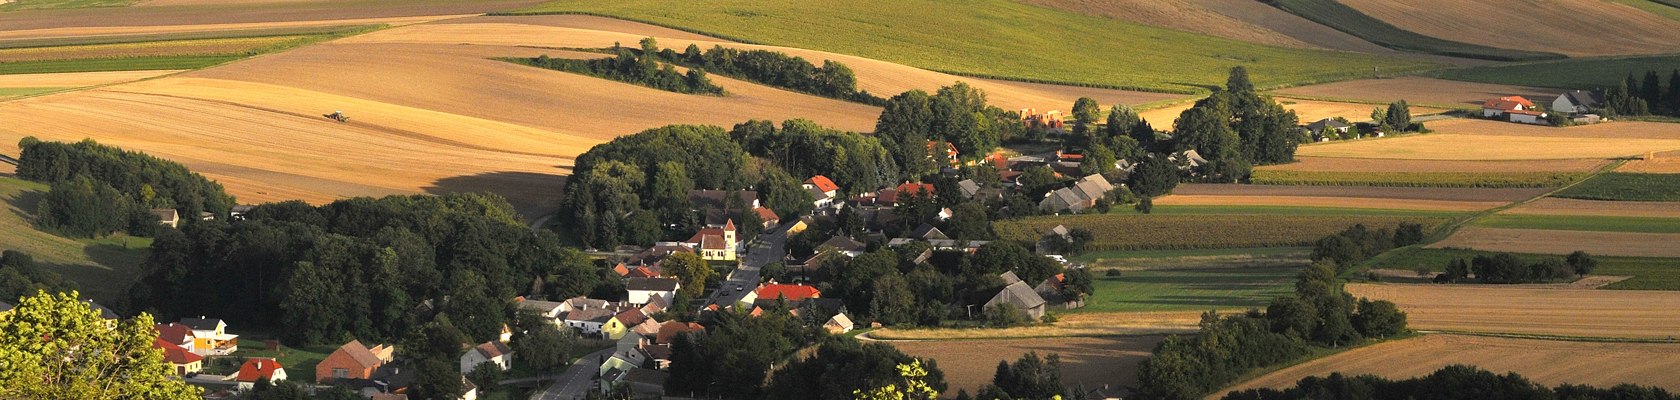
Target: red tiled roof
x: 173, y: 332
x: 258, y: 368
x: 792, y: 292
x: 823, y: 183
x: 1508, y: 103
x: 631, y: 317
x: 670, y: 329
x: 175, y: 354
x: 643, y: 272
x: 915, y: 188
x: 621, y: 270
x: 767, y: 215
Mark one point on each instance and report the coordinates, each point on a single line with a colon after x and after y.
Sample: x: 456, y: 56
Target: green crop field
x: 114, y: 64
x: 41, y: 4
x: 1627, y: 187
x: 1346, y: 19
x: 1584, y: 73
x: 264, y: 41
x: 1582, y: 223
x: 1648, y: 273
x: 1128, y: 231
x: 998, y: 38
x: 20, y: 92
x: 102, y: 268
x: 1666, y: 8
x: 1417, y: 179
x: 1190, y: 289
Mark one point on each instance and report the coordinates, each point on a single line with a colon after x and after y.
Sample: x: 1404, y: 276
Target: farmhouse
x: 1527, y: 117
x: 491, y: 351
x: 715, y: 243
x: 1323, y: 129
x: 168, y: 217
x: 1500, y: 106
x: 1578, y: 102
x: 210, y: 336
x: 255, y: 369
x: 181, y: 360
x: 621, y: 323
x: 589, y: 321
x: 1022, y: 296
x: 352, y: 361
x: 950, y: 155
x: 823, y: 191
x: 839, y: 324
x: 1075, y: 199
x: 844, y: 245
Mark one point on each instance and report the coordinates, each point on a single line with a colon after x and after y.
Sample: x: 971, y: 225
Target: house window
x: 340, y: 373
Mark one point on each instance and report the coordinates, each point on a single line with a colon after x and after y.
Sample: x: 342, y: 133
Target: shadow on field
x: 532, y: 194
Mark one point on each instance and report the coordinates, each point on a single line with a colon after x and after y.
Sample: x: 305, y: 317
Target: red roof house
x: 1503, y: 105
x: 259, y: 369
x: 822, y: 183
x: 184, y: 361
x: 791, y: 292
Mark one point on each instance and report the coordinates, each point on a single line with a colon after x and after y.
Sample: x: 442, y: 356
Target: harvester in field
x: 337, y: 116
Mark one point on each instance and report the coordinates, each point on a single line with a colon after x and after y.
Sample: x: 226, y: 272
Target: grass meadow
x: 1618, y: 186
x: 1582, y: 223
x: 1198, y: 289
x: 1580, y: 73
x: 1280, y: 227
x: 102, y: 268
x: 1001, y: 39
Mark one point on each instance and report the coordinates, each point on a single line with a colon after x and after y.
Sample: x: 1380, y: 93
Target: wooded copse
x: 99, y: 189
x: 632, y: 67
x: 1507, y: 268
x: 833, y: 79
x: 1636, y: 97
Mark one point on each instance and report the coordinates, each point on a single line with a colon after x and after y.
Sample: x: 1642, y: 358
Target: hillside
x: 1010, y: 40
x: 1571, y: 27
x: 102, y: 268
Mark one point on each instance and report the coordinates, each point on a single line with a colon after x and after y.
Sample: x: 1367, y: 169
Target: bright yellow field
x: 1572, y: 27
x: 1468, y: 139
x: 1549, y: 363
x: 76, y: 79
x: 1532, y: 309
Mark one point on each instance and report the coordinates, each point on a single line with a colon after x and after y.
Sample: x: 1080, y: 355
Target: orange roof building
x: 184, y: 361
x: 791, y: 292
x: 715, y: 244
x: 822, y: 183
x: 256, y: 369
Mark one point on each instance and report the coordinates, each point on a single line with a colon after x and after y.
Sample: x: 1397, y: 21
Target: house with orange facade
x: 352, y: 361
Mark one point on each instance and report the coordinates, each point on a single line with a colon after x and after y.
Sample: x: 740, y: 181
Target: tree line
x: 1508, y: 268
x: 1636, y: 97
x: 1318, y: 314
x: 833, y: 79
x: 1453, y: 382
x: 632, y: 67
x: 1235, y: 129
x: 1359, y: 243
x: 97, y: 189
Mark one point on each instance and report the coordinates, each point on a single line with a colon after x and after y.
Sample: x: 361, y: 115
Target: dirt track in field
x: 1543, y: 310
x: 76, y: 79
x: 1399, y: 165
x: 1562, y: 206
x: 1550, y: 363
x: 1418, y: 90
x: 1539, y: 241
x: 970, y: 364
x: 1571, y: 27
x: 1439, y: 194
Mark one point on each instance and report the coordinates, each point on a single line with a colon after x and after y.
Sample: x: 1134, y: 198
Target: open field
x: 1585, y: 74
x: 1441, y: 194
x: 876, y: 76
x: 101, y: 268
x: 1474, y: 139
x: 1646, y: 273
x: 1185, y: 289
x: 1562, y: 206
x: 1352, y: 21
x: 1417, y: 179
x: 1575, y: 28
x: 1331, y: 202
x: 1563, y: 242
x: 1133, y: 260
x: 77, y: 79
x: 292, y: 13
x: 1010, y: 40
x: 1067, y: 325
x: 144, y: 49
x: 10, y: 92
x: 1094, y: 362
x: 1306, y: 110
x: 1515, y: 309
x: 1417, y: 90
x: 1582, y: 223
x: 115, y: 64
x: 1358, y: 165
x: 72, y: 34
x: 1654, y: 163
x: 1179, y: 15
x: 1550, y: 363
x: 1619, y: 186
x: 14, y: 5
x: 1130, y: 231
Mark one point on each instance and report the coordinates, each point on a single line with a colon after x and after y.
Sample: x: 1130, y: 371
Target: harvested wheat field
x: 1306, y: 110
x: 1549, y: 363
x: 1416, y: 90
x: 1332, y: 202
x: 1520, y: 309
x: 144, y: 49
x: 1571, y: 27
x: 1493, y: 140
x: 1181, y: 15
x: 291, y: 13
x: 77, y: 79
x: 1092, y: 361
x: 1562, y: 206
x: 1536, y: 241
x: 1437, y: 194
x: 878, y: 77
x: 101, y: 30
x: 1084, y: 324
x: 1654, y: 163
x: 1354, y: 165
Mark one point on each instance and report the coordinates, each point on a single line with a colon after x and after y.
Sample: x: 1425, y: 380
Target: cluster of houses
x: 1577, y: 105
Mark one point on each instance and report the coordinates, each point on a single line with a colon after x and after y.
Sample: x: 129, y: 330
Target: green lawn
x: 299, y: 362
x: 1190, y: 289
x: 997, y: 38
x: 1627, y: 187
x: 1582, y: 223
x: 1212, y: 253
x: 1417, y: 179
x: 1648, y: 273
x: 1583, y: 73
x: 1346, y: 19
x: 40, y: 4
x: 102, y: 268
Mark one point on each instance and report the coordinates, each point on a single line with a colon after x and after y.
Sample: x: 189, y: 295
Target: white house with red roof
x: 715, y: 243
x: 823, y: 191
x: 1505, y: 105
x: 772, y: 291
x: 491, y: 351
x: 255, y: 369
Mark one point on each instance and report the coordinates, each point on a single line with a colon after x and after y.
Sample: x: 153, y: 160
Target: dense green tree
x: 1030, y: 377
x: 1398, y: 116
x: 903, y: 129
x: 1098, y: 160
x: 82, y: 207
x: 1077, y: 283
x: 843, y: 366
x: 1582, y: 262
x: 670, y: 187
x: 692, y: 271
x: 1673, y: 95
x: 783, y: 193
x: 891, y: 301
x: 1379, y: 319
x: 148, y: 182
x: 969, y: 221
x: 1036, y: 180
x: 1154, y: 176
x: 1085, y: 113
x: 734, y: 357
x: 55, y: 346
x: 1238, y: 81
x: 1651, y: 88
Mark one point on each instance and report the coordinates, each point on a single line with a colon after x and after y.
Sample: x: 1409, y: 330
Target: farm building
x: 491, y: 351
x: 1022, y: 296
x: 1527, y: 117
x: 352, y: 361
x: 643, y: 290
x: 1327, y: 125
x: 1577, y: 102
x: 1030, y: 118
x: 1082, y: 195
x: 1500, y: 106
x: 168, y: 217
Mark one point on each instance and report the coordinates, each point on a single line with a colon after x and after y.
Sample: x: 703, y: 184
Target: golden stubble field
x: 1520, y: 309
x: 1549, y: 363
x: 1418, y: 90
x: 1393, y: 198
x: 1474, y: 139
x: 1562, y: 206
x: 1546, y: 241
x: 1092, y: 361
x: 1334, y: 164
x: 1571, y: 27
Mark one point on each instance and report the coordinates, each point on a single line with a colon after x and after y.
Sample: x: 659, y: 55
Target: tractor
x: 337, y: 116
